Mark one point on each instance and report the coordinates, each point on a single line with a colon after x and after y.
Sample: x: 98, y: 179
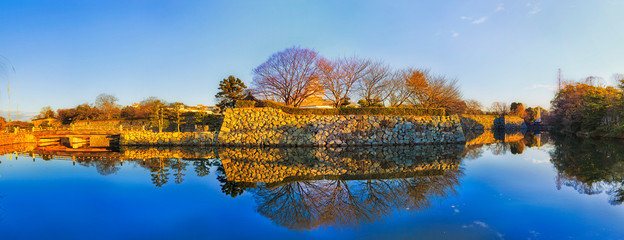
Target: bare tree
x: 108, y: 105
x: 619, y: 80
x: 338, y: 77
x: 473, y: 106
x: 594, y: 81
x: 398, y: 89
x: 499, y: 108
x: 373, y: 87
x: 288, y: 76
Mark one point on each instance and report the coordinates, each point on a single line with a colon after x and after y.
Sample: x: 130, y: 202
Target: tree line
x: 158, y: 112
x: 296, y: 74
x: 590, y: 107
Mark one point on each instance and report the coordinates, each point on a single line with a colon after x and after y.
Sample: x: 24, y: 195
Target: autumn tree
x: 374, y: 85
x: 288, y: 76
x: 532, y: 114
x: 338, y: 77
x: 433, y: 91
x: 517, y: 108
x: 107, y: 104
x: 230, y: 90
x: 583, y: 107
x: 87, y: 112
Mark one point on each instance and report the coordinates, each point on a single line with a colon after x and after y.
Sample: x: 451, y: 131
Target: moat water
x: 497, y: 186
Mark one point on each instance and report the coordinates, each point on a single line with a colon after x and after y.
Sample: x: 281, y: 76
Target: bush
x: 245, y: 104
x: 394, y: 111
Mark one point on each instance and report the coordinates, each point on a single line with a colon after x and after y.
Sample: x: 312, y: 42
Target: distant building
x: 200, y: 108
x: 317, y: 100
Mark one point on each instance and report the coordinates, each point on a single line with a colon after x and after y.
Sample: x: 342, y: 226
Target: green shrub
x: 394, y: 111
x: 245, y: 104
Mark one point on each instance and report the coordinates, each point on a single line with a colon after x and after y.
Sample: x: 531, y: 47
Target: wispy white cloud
x: 465, y: 18
x: 454, y: 34
x: 480, y: 20
x: 482, y: 224
x: 534, y: 8
x: 499, y: 8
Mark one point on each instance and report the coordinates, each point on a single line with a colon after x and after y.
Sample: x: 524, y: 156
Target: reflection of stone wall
x: 10, y: 138
x: 17, y: 147
x: 270, y: 165
x: 267, y: 126
x: 166, y: 138
x: 167, y: 152
x: 487, y: 137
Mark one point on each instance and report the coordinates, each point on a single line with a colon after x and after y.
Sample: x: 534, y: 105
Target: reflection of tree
x: 304, y: 205
x: 179, y: 167
x: 590, y: 167
x: 202, y: 167
x: 501, y: 142
x: 499, y: 148
x: 160, y: 173
x: 516, y: 147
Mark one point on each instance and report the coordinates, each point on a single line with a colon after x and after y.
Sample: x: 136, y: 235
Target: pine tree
x: 230, y: 90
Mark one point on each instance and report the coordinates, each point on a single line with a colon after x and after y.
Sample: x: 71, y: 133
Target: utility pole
x: 559, y: 79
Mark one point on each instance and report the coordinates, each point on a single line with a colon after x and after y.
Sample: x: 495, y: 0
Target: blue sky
x: 67, y: 52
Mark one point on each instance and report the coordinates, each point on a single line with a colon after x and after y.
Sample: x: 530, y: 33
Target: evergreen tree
x: 230, y: 90
x: 158, y: 116
x: 176, y: 114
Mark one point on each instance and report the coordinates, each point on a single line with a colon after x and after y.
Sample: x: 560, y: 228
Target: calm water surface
x: 498, y: 186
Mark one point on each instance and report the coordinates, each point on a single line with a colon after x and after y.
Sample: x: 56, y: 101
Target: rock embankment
x: 491, y: 122
x: 272, y: 127
x: 148, y: 138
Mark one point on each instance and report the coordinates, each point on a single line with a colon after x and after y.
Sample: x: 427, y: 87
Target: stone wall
x: 110, y: 125
x: 513, y: 122
x: 271, y: 165
x: 272, y: 127
x: 166, y: 138
x: 490, y: 122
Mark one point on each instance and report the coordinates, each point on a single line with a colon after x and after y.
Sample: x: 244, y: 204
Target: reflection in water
x: 306, y: 205
x: 307, y: 188
x: 502, y: 142
x: 310, y: 188
x: 590, y: 166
